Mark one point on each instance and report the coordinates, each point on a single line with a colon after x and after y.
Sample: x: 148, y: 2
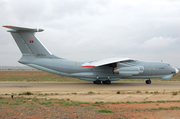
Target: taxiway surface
x: 70, y: 87
x: 107, y: 93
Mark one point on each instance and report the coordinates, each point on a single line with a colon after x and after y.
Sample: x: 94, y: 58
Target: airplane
x: 36, y: 55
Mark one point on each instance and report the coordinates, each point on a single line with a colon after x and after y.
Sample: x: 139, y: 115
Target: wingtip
x: 7, y: 26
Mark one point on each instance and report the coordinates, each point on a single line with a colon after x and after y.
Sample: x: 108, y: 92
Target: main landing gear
x: 97, y: 82
x: 104, y: 82
x: 148, y: 81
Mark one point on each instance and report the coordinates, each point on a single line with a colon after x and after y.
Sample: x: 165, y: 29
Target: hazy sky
x: 88, y: 30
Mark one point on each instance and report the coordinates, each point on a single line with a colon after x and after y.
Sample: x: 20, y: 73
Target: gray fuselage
x: 73, y: 69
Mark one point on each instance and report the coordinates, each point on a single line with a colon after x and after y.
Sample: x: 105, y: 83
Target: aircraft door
x: 151, y: 71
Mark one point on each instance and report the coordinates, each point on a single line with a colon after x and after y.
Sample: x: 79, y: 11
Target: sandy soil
x: 35, y: 110
x: 105, y: 93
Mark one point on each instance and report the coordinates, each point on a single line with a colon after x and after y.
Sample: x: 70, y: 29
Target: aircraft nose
x: 176, y: 70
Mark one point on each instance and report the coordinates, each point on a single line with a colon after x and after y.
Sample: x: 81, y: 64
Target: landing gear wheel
x: 104, y: 82
x: 98, y: 82
x: 148, y: 81
x: 94, y: 82
x: 108, y: 82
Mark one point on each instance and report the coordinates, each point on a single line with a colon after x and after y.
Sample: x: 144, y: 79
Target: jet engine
x: 129, y: 70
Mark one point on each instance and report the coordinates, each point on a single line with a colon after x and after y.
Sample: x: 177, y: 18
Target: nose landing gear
x: 148, y: 81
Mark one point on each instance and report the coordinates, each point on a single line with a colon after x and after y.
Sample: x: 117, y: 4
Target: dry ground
x: 34, y: 108
x: 89, y: 101
x: 106, y: 93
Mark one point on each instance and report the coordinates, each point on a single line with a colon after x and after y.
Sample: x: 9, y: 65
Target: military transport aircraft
x: 35, y: 54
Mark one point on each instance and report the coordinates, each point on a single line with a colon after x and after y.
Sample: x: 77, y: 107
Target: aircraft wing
x: 107, y: 61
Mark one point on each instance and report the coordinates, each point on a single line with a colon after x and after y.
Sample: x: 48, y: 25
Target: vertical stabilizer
x: 28, y: 43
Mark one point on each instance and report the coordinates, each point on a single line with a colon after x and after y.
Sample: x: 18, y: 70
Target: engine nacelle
x: 129, y: 70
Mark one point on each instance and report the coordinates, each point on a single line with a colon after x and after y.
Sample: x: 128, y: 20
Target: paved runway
x: 59, y: 87
x: 103, y: 92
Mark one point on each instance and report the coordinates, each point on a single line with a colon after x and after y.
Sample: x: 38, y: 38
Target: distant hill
x: 16, y: 68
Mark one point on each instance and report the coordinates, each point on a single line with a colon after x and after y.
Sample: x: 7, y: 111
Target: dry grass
x: 21, y: 107
x: 36, y: 76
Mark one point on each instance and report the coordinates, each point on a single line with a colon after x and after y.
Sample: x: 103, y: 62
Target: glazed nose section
x: 176, y: 70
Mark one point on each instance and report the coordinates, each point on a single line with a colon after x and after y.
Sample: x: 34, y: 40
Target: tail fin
x: 28, y: 43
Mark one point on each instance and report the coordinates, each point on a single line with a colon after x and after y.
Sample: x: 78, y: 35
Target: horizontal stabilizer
x: 23, y: 29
